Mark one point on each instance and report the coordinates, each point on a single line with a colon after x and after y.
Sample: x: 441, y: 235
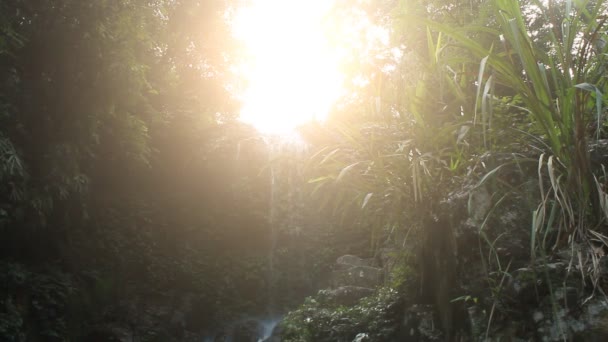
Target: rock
x: 362, y: 337
x: 598, y: 153
x: 477, y: 320
x: 348, y: 261
x: 480, y: 202
x: 221, y: 337
x: 360, y: 276
x: 537, y: 316
x: 586, y: 323
x: 109, y: 334
x: 272, y: 339
x: 595, y: 316
x: 347, y: 295
x: 177, y: 322
x: 420, y: 324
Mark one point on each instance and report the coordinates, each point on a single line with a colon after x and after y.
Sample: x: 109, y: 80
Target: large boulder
x: 359, y: 276
x: 348, y: 261
x: 595, y: 315
x: 589, y: 323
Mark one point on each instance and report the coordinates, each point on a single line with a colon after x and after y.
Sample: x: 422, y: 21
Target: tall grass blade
x: 346, y: 169
x: 482, y: 68
x: 366, y: 199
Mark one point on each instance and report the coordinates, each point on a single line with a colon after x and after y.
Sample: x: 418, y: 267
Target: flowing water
x: 285, y: 156
x: 256, y: 327
x: 285, y: 160
x: 269, y: 324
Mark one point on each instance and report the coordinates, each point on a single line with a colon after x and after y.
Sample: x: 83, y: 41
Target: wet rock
x: 589, y: 325
x: 559, y: 325
x: 360, y: 276
x: 596, y: 316
x: 347, y: 295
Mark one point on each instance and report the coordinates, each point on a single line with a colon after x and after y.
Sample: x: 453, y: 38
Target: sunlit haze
x: 292, y: 73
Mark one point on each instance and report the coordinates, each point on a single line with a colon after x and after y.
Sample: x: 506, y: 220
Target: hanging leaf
x: 366, y: 199
x: 346, y: 169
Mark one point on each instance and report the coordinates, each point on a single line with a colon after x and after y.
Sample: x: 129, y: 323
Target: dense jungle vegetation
x: 463, y: 168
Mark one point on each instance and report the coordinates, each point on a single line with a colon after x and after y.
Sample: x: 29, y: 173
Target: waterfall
x: 274, y: 231
x: 285, y: 156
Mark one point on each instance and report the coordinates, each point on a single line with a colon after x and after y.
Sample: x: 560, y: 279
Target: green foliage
x: 408, y: 139
x: 401, y: 276
x: 34, y: 305
x: 318, y: 320
x: 118, y: 156
x: 515, y: 95
x: 562, y: 93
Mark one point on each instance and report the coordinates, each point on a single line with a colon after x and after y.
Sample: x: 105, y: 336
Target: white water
x: 266, y: 326
x: 269, y: 324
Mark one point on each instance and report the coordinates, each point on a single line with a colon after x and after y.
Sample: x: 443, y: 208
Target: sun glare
x: 292, y: 74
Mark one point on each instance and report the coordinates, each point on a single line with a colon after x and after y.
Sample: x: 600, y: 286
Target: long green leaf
x: 346, y: 169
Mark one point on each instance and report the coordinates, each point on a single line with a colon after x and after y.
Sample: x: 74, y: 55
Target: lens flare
x: 292, y: 73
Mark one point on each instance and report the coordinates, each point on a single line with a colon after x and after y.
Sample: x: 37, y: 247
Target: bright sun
x: 292, y: 73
